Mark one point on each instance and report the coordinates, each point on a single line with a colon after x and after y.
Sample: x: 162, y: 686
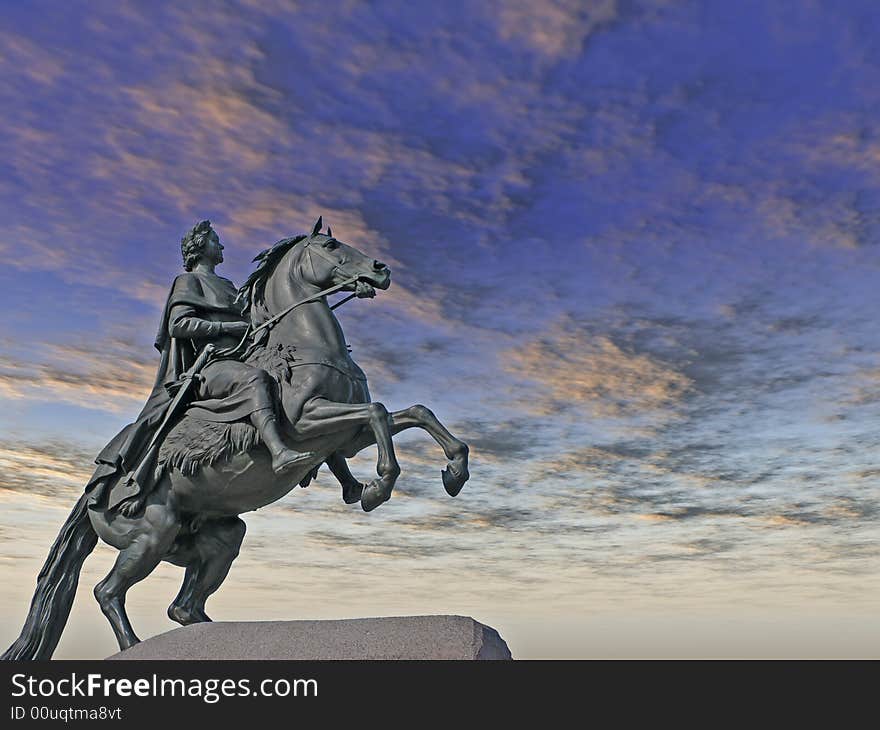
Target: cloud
x: 633, y: 267
x: 47, y: 469
x: 553, y: 27
x: 577, y: 369
x: 500, y: 442
x: 402, y: 546
x: 863, y: 387
x: 110, y: 375
x: 25, y: 61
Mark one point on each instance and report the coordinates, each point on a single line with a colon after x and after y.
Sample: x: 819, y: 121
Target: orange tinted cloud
x: 107, y: 376
x: 554, y: 28
x: 584, y: 370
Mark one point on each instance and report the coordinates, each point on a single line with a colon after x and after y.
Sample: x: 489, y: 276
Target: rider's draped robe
x: 196, y: 306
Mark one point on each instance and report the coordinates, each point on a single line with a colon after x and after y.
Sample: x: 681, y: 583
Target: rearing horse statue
x: 191, y: 517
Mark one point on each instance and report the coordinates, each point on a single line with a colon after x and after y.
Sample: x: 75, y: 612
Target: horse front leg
x: 320, y: 417
x: 418, y: 416
x: 352, y: 489
x: 456, y: 451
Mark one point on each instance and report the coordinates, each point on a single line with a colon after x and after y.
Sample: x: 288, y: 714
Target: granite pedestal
x: 402, y: 637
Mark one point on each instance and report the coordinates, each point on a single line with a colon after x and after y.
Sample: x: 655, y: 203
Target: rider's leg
x: 256, y: 390
x: 283, y: 458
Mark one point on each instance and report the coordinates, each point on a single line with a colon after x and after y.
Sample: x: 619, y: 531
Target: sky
x: 635, y: 265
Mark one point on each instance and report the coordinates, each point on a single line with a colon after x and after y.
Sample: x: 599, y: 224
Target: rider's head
x: 194, y: 243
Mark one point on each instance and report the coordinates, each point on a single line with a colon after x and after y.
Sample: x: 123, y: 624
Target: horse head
x: 325, y: 261
x: 314, y: 262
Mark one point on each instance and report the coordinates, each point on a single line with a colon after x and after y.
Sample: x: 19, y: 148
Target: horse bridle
x: 308, y: 246
x: 336, y: 268
x: 313, y: 298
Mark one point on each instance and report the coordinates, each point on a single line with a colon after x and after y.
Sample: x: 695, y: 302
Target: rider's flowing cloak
x: 126, y: 450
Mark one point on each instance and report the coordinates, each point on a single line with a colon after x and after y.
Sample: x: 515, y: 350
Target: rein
x: 269, y: 322
x: 315, y: 297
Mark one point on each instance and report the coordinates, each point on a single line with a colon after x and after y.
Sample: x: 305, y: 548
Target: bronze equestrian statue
x: 255, y: 390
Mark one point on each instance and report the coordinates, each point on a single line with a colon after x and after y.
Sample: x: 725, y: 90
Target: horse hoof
x: 186, y: 617
x: 453, y: 480
x: 352, y: 493
x: 373, y: 495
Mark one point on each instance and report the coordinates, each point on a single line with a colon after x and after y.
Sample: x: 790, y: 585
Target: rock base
x: 403, y: 637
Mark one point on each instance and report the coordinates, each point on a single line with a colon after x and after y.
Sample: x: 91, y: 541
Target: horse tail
x: 56, y: 587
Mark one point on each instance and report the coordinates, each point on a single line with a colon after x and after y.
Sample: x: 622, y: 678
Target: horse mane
x: 253, y: 291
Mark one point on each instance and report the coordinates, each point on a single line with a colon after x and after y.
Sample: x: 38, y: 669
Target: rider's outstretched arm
x: 184, y: 323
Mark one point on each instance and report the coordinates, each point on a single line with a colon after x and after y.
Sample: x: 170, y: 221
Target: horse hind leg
x: 207, y: 556
x: 155, y: 533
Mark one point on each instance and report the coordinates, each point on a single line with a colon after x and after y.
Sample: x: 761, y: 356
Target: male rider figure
x: 201, y: 309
